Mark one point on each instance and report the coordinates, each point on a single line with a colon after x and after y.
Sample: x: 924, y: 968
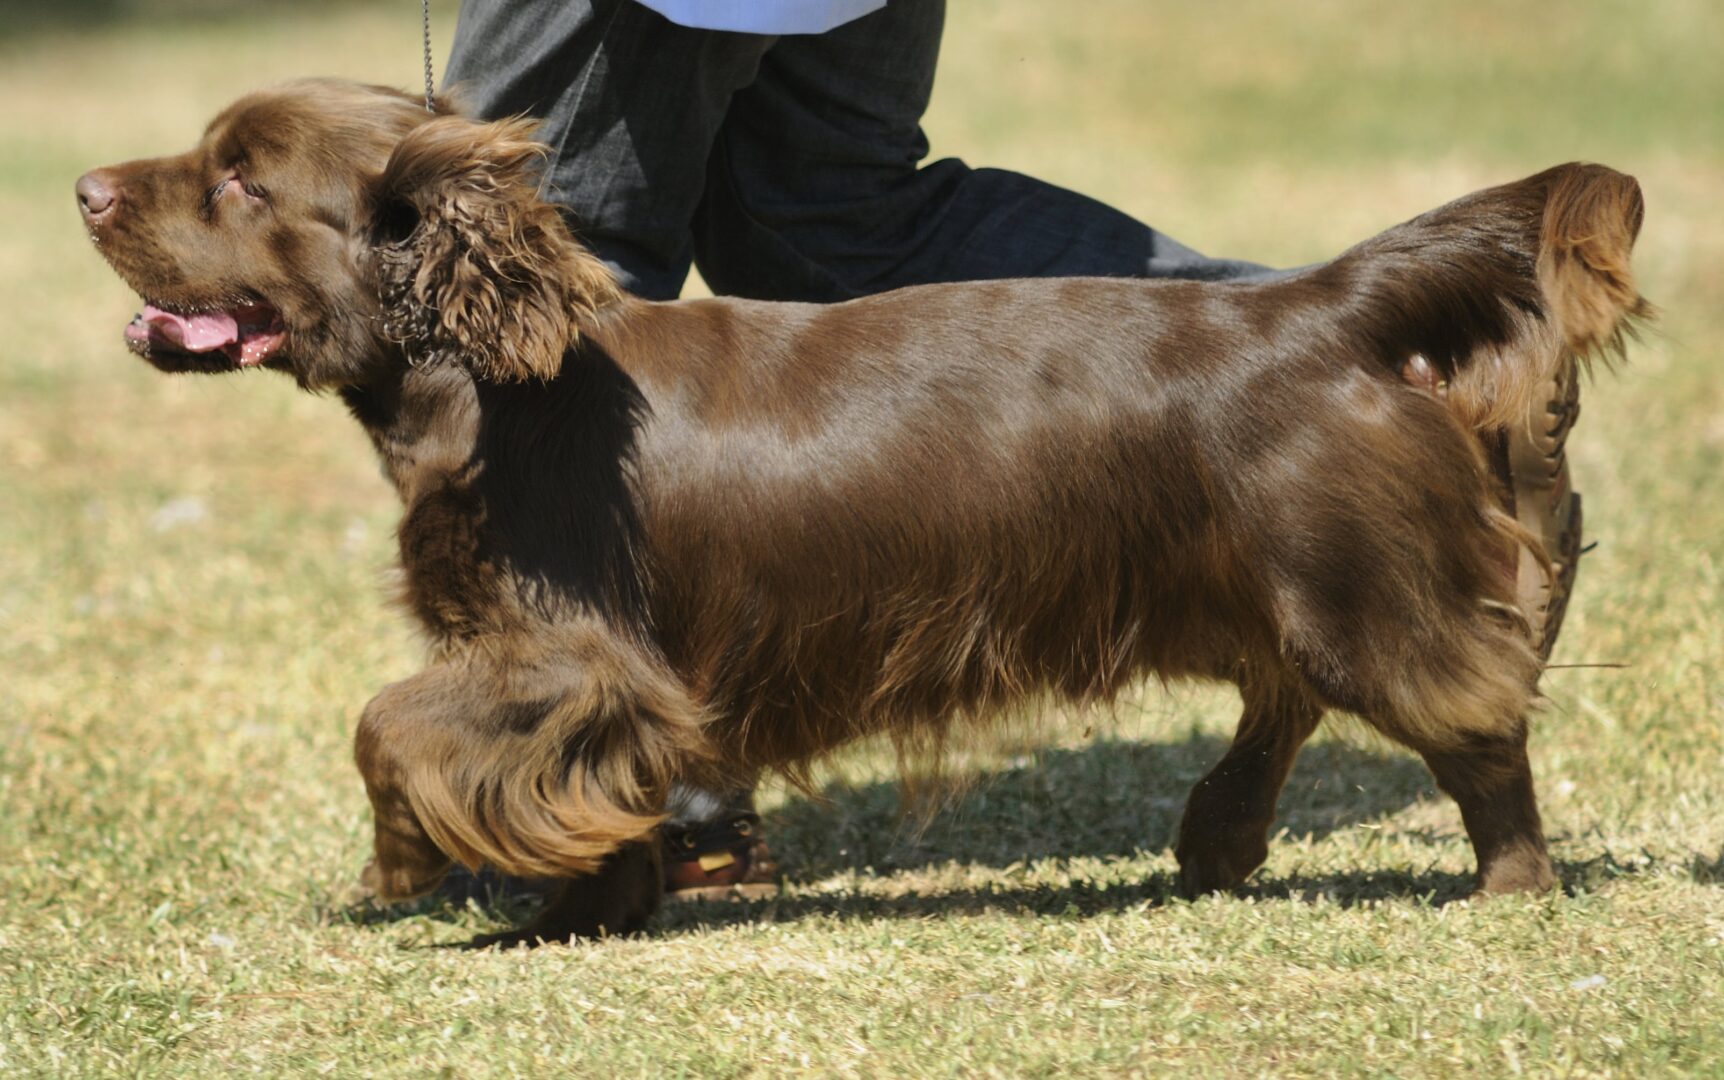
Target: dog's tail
x: 1494, y: 293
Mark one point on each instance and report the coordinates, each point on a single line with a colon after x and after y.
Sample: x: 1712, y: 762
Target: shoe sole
x: 1547, y: 506
x: 733, y: 893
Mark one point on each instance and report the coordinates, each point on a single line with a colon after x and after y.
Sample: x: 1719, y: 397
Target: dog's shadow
x: 1108, y: 800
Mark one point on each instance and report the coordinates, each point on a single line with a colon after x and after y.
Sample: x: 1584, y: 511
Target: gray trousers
x: 785, y: 168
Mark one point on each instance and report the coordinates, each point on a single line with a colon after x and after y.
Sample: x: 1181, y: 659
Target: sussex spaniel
x: 663, y: 542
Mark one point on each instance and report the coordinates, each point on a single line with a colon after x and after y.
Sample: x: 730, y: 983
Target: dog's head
x: 334, y: 230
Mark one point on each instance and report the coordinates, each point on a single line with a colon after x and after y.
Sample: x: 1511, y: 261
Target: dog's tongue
x: 193, y: 333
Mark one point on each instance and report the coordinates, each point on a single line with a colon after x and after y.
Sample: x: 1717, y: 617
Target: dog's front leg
x: 404, y: 863
x: 617, y: 900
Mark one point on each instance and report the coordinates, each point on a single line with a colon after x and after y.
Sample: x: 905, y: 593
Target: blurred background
x: 193, y: 571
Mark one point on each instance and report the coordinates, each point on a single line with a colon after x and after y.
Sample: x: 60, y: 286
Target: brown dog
x: 689, y: 541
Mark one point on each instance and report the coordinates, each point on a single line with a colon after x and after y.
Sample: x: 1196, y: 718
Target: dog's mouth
x: 244, y: 335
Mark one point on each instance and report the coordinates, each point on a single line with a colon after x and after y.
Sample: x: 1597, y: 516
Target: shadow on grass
x: 1072, y: 900
x: 1108, y: 800
x: 1081, y: 900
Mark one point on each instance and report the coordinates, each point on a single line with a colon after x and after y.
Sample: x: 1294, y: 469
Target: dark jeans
x: 784, y: 167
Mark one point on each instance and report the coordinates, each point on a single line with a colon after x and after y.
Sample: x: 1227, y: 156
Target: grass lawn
x: 193, y: 571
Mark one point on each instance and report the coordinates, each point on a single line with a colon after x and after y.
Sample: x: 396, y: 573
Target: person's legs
x: 630, y: 104
x: 813, y: 190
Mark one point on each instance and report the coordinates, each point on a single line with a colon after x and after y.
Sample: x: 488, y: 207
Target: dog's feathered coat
x: 655, y: 542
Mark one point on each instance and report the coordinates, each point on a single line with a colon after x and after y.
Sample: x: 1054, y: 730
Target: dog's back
x: 883, y: 514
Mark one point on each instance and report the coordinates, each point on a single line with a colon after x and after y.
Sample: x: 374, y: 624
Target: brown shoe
x: 724, y: 859
x: 1534, y: 469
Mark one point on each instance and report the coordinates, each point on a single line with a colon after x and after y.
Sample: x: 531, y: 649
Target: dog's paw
x: 379, y: 887
x: 1218, y: 866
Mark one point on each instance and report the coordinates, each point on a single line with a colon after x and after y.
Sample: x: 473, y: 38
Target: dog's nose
x: 97, y: 196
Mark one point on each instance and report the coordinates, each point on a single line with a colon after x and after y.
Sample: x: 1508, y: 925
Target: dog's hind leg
x: 1484, y: 768
x: 1461, y: 703
x: 1459, y: 700
x: 1392, y: 597
x: 1491, y: 781
x: 1486, y: 771
x: 1224, y: 834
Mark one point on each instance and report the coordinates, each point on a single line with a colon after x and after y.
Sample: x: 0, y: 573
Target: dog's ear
x: 470, y: 264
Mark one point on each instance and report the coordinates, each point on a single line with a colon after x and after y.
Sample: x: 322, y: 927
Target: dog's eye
x: 235, y: 183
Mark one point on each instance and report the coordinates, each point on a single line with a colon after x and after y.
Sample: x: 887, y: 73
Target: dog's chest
x: 452, y: 584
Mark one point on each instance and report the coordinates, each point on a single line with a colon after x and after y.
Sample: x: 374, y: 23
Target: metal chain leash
x: 425, y: 25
